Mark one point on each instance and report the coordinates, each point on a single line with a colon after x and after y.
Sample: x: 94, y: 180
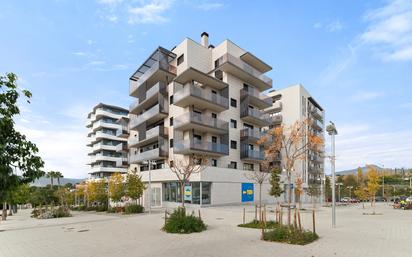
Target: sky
x: 354, y: 57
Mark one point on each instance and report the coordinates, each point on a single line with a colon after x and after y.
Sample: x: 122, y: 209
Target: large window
x: 233, y: 102
x: 233, y: 123
x: 171, y: 192
x: 180, y: 59
x: 206, y: 192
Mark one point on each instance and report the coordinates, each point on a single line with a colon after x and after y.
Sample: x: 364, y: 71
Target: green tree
x: 134, y: 186
x: 58, y: 176
x: 16, y: 152
x: 21, y: 195
x: 328, y: 189
x: 116, y: 187
x: 373, y: 183
x: 274, y: 180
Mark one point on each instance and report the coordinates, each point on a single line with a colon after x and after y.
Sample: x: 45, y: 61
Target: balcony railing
x: 158, y: 87
x: 152, y: 154
x: 275, y: 119
x: 245, y: 67
x: 254, y: 134
x: 193, y: 90
x: 255, y: 93
x: 136, y: 120
x: 122, y: 147
x: 155, y: 67
x: 252, y: 154
x: 187, y: 145
x: 201, y: 119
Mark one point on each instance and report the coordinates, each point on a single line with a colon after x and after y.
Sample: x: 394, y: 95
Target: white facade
x: 294, y: 103
x: 200, y: 99
x: 108, y: 140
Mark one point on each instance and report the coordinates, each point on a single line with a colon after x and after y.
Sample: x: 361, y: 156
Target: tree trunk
x: 289, y: 200
x: 10, y: 210
x: 4, y: 212
x: 260, y: 195
x: 182, y: 187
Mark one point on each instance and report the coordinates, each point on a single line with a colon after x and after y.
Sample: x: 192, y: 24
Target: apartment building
x: 200, y: 99
x: 108, y: 133
x: 291, y: 104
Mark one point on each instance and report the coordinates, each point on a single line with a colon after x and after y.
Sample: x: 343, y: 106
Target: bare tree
x: 184, y: 167
x: 294, y: 143
x: 260, y: 176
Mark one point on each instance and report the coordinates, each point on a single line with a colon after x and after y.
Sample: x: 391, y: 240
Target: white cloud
x: 90, y: 42
x: 112, y: 18
x: 210, y: 6
x: 358, y: 144
x: 335, y: 26
x: 79, y: 53
x: 317, y: 25
x: 390, y: 31
x: 152, y: 12
x: 365, y: 95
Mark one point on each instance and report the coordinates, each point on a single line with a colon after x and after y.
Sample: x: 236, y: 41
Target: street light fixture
x: 150, y: 163
x: 331, y: 129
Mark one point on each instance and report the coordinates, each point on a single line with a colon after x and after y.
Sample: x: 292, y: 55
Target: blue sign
x: 247, y: 192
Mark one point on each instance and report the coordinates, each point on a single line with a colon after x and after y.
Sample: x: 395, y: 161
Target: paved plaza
x: 99, y: 234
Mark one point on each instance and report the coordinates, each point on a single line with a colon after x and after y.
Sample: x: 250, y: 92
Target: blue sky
x: 355, y: 57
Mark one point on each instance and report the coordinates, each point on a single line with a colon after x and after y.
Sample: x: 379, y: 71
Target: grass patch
x: 181, y: 223
x: 256, y: 224
x: 290, y: 235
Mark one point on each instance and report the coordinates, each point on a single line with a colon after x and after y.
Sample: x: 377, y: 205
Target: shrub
x: 257, y: 224
x: 111, y: 210
x: 180, y: 222
x: 61, y: 212
x: 44, y: 213
x: 290, y: 235
x: 133, y: 208
x: 101, y: 208
x: 90, y: 208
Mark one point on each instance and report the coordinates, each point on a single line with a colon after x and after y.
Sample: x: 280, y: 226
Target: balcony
x: 253, y: 135
x: 276, y: 107
x: 252, y: 155
x: 109, y: 169
x: 121, y: 148
x: 123, y: 132
x: 150, y: 136
x: 100, y: 146
x: 229, y: 63
x: 256, y: 98
x: 147, y: 98
x: 152, y: 154
x: 208, y: 148
x: 317, y: 125
x: 105, y: 124
x: 275, y: 119
x: 122, y: 162
x: 101, y: 157
x: 254, y: 116
x: 132, y: 142
x: 102, y: 135
x: 201, y: 122
x: 190, y: 94
x: 100, y: 113
x: 156, y: 113
x: 317, y: 114
x: 157, y: 72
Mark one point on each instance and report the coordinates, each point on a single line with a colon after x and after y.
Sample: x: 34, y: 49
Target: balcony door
x: 197, y: 116
x: 214, y: 119
x: 197, y: 140
x: 214, y: 96
x: 214, y: 144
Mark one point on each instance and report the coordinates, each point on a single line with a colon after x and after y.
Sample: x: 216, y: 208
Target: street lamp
x: 410, y: 181
x: 149, y: 163
x: 339, y: 184
x: 331, y: 129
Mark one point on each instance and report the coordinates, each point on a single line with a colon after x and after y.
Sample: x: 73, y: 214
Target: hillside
x: 355, y: 171
x: 43, y: 181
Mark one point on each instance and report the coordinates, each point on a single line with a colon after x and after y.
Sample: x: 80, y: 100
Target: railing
x: 244, y: 66
x: 149, y: 154
x: 275, y: 119
x: 253, y: 113
x: 201, y: 146
x: 136, y: 120
x: 121, y: 147
x: 255, y: 93
x: 158, y: 87
x: 190, y: 89
x: 133, y: 141
x: 202, y: 119
x: 153, y: 132
x: 122, y: 131
x: 252, y: 154
x: 247, y: 132
x: 102, y: 123
x: 133, y: 85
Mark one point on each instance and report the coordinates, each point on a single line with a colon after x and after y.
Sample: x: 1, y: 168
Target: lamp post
x: 339, y: 184
x: 410, y: 181
x: 383, y: 181
x: 149, y: 162
x: 331, y: 129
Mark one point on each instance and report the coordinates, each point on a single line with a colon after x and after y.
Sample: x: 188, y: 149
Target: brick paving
x: 97, y: 234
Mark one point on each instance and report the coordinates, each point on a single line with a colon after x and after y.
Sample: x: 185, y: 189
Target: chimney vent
x: 204, y: 39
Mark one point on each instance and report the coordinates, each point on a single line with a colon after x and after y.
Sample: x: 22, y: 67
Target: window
x: 180, y: 59
x: 214, y: 162
x: 214, y: 139
x: 233, y: 165
x: 245, y: 125
x: 233, y: 144
x: 219, y: 74
x: 216, y: 63
x: 214, y: 115
x: 197, y: 139
x: 171, y: 164
x: 171, y: 121
x: 233, y: 102
x: 248, y: 166
x: 233, y: 123
x: 171, y: 143
x: 171, y: 99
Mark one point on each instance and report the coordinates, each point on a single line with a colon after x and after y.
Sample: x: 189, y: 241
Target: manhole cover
x: 83, y: 230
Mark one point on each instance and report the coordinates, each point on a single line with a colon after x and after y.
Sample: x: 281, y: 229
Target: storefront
x: 194, y: 192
